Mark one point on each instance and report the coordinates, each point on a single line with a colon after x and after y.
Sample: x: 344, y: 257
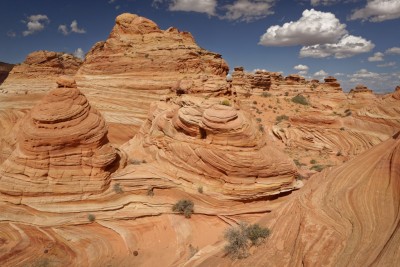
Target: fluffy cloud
x: 363, y: 74
x: 79, y: 53
x: 320, y: 74
x: 35, y: 23
x: 378, y: 10
x: 303, y: 69
x: 348, y: 46
x: 204, y: 6
x: 314, y: 27
x: 63, y: 29
x: 249, y: 10
x: 393, y: 50
x: 378, y: 56
x: 389, y: 64
x: 74, y: 28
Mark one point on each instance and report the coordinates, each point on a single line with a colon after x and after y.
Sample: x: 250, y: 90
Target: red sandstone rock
x: 5, y: 69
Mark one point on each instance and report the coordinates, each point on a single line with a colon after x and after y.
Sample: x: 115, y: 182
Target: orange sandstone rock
x: 61, y: 148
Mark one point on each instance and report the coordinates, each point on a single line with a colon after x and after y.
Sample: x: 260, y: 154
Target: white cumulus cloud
x: 324, y: 2
x: 301, y: 67
x: 320, y: 74
x: 393, y: 50
x: 348, y: 46
x: 35, y: 23
x: 378, y: 56
x: 314, y: 27
x: 204, y: 6
x: 74, y: 28
x: 249, y: 10
x: 378, y: 10
x: 79, y: 53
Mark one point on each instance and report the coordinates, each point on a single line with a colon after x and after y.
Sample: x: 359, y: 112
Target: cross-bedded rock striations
x: 39, y: 71
x: 61, y: 147
x: 203, y: 142
x: 140, y: 63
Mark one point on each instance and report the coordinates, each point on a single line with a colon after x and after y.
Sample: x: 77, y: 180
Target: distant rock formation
x: 250, y: 83
x: 62, y: 147
x: 140, y: 63
x: 5, y: 69
x: 332, y: 83
x: 39, y: 71
x: 361, y: 91
x: 204, y: 142
x: 295, y: 78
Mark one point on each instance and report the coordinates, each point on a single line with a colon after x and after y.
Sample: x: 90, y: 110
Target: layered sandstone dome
x: 203, y: 142
x: 61, y: 147
x: 140, y: 63
x: 39, y: 71
x: 346, y: 216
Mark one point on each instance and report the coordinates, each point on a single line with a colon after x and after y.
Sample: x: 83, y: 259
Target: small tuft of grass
x: 200, y: 189
x: 317, y: 167
x: 117, y: 188
x: 226, y: 102
x: 185, y: 207
x: 313, y: 161
x: 281, y: 118
x: 91, y: 217
x: 300, y: 99
x: 266, y: 94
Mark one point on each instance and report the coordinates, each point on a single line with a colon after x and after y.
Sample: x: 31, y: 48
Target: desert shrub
x: 91, y: 217
x: 281, y: 118
x: 256, y: 233
x: 298, y: 163
x: 135, y: 162
x: 200, y: 189
x: 347, y: 112
x: 342, y: 128
x: 313, y: 161
x: 150, y: 191
x: 299, y: 99
x: 192, y: 250
x: 286, y: 93
x: 266, y: 94
x: 225, y: 102
x: 240, y: 238
x: 117, y: 188
x: 261, y: 128
x: 185, y: 207
x: 258, y: 119
x: 299, y: 177
x: 339, y: 153
x: 255, y: 102
x: 238, y: 243
x: 317, y: 167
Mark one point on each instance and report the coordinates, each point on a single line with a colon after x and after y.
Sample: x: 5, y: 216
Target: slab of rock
x: 5, y: 69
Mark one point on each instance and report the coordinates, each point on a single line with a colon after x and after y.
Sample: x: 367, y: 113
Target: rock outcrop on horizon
x: 61, y: 147
x: 140, y: 63
x: 39, y: 71
x: 250, y: 83
x: 5, y: 69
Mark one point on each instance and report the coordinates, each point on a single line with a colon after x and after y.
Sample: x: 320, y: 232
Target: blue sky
x: 355, y: 40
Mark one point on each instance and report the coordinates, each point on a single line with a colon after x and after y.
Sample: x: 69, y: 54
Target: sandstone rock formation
x: 139, y: 63
x: 250, y: 83
x: 349, y: 214
x: 61, y: 147
x: 39, y: 71
x: 204, y: 142
x: 361, y: 92
x: 5, y: 69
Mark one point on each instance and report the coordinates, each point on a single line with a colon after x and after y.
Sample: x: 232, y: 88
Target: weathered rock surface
x: 5, y: 69
x: 61, y: 148
x: 350, y: 213
x: 139, y: 63
x: 219, y: 146
x: 39, y: 71
x: 250, y: 83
